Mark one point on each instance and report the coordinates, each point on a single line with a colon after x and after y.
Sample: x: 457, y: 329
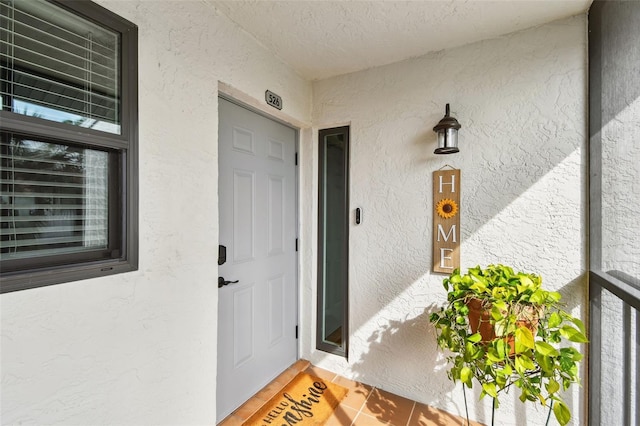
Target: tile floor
x: 364, y: 405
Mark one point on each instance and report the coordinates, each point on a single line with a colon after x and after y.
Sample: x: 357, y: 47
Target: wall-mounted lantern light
x: 447, y: 130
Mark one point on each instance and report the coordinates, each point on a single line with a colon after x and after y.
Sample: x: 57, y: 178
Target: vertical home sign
x: 446, y: 220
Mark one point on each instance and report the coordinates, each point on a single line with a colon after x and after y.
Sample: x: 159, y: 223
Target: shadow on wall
x: 399, y: 337
x: 392, y: 339
x: 522, y: 153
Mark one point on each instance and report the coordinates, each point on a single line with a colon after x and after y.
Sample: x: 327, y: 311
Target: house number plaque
x: 446, y: 220
x: 273, y: 99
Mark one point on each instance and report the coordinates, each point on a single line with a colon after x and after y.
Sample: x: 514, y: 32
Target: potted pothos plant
x: 503, y: 329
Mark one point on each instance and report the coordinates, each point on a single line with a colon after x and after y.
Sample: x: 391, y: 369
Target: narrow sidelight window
x: 333, y: 241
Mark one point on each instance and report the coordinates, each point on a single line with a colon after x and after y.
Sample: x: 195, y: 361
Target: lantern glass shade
x: 447, y: 141
x: 447, y: 131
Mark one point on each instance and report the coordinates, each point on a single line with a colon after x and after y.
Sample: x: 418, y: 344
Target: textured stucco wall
x: 521, y: 100
x: 140, y: 348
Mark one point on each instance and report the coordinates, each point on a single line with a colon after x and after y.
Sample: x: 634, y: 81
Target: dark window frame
x: 343, y: 349
x: 123, y: 176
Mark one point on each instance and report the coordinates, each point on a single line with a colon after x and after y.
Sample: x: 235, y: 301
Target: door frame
x: 256, y: 108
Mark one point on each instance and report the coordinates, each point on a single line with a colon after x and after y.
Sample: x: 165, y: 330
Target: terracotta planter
x: 480, y: 321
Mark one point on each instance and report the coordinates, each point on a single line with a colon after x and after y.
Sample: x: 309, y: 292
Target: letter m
x: 446, y: 237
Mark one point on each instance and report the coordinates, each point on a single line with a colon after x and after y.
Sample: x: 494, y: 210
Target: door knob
x: 222, y: 282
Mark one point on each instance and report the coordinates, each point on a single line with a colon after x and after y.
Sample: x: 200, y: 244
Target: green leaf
x: 498, y: 293
x: 546, y: 349
x: 501, y: 305
x: 555, y: 320
x: 502, y: 347
x: 554, y: 297
x: 524, y: 338
x: 457, y: 294
x: 454, y: 374
x: 554, y: 337
x: 493, y: 356
x: 475, y: 338
x: 506, y: 371
x: 553, y: 386
x: 567, y: 365
x: 477, y: 274
x: 473, y: 351
x: 526, y: 282
x: 580, y: 325
x: 538, y: 297
x: 496, y: 313
x: 572, y: 334
x: 523, y: 364
x: 562, y: 413
x: 546, y: 363
x: 543, y: 401
x: 445, y: 284
x: 479, y: 287
x: 490, y: 389
x: 571, y: 353
x: 465, y: 375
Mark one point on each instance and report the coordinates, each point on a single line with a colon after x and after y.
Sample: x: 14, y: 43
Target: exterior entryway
x: 257, y: 308
x: 364, y: 405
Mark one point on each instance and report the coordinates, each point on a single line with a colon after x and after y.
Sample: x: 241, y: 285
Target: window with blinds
x: 68, y: 143
x: 55, y: 199
x: 58, y: 67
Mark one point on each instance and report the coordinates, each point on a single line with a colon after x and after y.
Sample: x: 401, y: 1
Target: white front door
x: 257, y: 315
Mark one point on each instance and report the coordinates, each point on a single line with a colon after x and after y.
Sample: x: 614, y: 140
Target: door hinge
x: 296, y: 331
x: 296, y: 244
x: 296, y: 158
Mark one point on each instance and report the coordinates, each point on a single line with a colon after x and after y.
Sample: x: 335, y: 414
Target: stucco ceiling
x: 321, y: 39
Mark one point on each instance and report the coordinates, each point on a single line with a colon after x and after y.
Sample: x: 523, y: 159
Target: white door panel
x: 258, y: 314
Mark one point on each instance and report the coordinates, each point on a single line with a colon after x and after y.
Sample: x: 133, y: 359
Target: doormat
x: 305, y: 401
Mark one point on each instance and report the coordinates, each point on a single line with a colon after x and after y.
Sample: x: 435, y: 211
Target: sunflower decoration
x: 446, y: 208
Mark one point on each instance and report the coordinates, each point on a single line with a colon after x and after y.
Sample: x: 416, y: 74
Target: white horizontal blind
x: 58, y: 66
x: 54, y: 199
